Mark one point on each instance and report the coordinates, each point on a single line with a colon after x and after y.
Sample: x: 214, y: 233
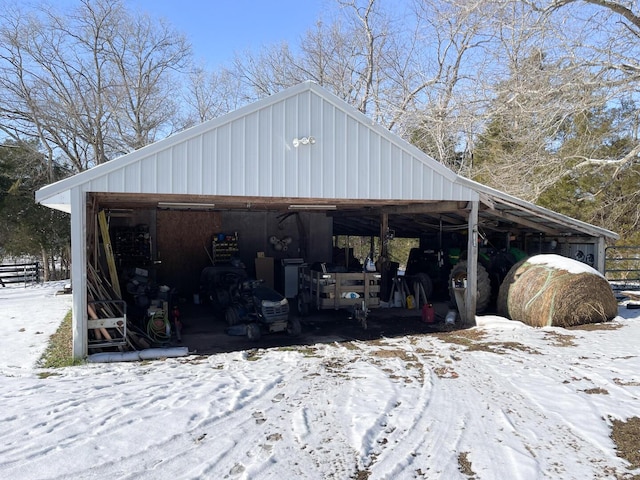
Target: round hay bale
x: 550, y: 290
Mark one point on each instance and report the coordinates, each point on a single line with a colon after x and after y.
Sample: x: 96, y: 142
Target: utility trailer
x: 323, y: 289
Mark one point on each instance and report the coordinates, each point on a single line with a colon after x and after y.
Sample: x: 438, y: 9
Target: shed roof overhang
x: 498, y: 212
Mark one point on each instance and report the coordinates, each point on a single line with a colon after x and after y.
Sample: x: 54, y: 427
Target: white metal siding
x: 253, y: 155
x: 252, y: 148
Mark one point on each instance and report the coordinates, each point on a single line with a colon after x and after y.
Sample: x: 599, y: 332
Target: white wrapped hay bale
x: 550, y: 290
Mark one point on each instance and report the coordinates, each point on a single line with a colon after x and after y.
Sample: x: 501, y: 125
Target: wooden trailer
x: 326, y: 290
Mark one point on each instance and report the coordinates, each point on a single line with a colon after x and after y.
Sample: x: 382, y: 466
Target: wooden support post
x: 384, y: 230
x: 471, y: 296
x: 382, y: 263
x: 601, y: 253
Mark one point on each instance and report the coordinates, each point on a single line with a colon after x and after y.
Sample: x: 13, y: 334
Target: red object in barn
x: 428, y: 313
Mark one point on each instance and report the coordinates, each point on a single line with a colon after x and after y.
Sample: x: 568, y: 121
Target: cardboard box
x: 265, y: 270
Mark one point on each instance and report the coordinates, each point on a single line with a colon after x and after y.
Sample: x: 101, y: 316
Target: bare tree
x: 409, y: 70
x: 353, y: 54
x: 605, y: 45
x: 518, y: 75
x: 90, y: 84
x: 452, y: 47
x: 211, y: 94
x: 144, y: 55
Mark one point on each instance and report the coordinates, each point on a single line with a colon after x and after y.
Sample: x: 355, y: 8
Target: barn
x: 271, y: 185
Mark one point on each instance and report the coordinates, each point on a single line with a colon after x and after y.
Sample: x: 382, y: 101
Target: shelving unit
x: 132, y: 246
x: 224, y: 247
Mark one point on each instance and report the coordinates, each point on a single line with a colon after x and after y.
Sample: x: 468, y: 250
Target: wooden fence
x: 19, y: 273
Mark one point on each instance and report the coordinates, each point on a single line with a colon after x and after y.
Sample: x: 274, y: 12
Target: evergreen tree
x: 596, y: 188
x: 29, y: 229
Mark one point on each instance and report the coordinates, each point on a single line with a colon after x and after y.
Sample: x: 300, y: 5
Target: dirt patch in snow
x: 464, y: 465
x: 596, y: 326
x: 560, y: 340
x: 473, y: 340
x: 626, y: 436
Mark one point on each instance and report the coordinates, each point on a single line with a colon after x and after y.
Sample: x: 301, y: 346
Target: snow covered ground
x: 499, y: 401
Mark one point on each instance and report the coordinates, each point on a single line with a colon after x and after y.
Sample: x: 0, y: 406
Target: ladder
x: 108, y: 250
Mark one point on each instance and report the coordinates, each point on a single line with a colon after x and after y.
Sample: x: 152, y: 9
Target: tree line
x: 537, y: 98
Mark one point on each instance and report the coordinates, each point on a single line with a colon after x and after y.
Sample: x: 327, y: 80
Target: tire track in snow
x: 425, y: 426
x: 319, y: 424
x: 433, y: 426
x: 134, y: 455
x: 508, y: 392
x: 413, y: 416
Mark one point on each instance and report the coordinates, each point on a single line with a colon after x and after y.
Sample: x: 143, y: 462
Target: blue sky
x: 218, y: 28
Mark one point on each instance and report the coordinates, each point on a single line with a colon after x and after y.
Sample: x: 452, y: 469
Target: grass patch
x: 560, y: 340
x: 305, y: 351
x: 253, y: 355
x: 59, y: 352
x: 626, y: 436
x: 596, y: 391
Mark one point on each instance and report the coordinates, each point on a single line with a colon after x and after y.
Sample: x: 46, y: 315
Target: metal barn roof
x: 304, y: 145
x: 300, y: 143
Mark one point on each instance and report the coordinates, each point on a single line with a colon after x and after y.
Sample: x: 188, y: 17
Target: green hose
x: 158, y: 328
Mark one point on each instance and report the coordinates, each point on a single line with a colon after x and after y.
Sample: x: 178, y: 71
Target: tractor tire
x: 253, y: 332
x: 427, y: 283
x: 232, y: 316
x: 222, y: 297
x: 294, y: 328
x: 459, y: 274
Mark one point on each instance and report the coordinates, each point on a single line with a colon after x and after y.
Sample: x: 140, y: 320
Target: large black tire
x: 303, y: 304
x: 231, y: 316
x: 459, y: 274
x: 427, y: 283
x: 222, y: 297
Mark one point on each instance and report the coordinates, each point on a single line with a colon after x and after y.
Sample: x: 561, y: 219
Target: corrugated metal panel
x: 164, y: 180
x: 193, y: 159
x: 148, y: 173
x: 251, y: 153
x: 208, y: 162
x: 179, y: 170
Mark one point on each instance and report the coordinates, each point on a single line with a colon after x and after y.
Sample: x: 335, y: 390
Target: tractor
x: 439, y: 269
